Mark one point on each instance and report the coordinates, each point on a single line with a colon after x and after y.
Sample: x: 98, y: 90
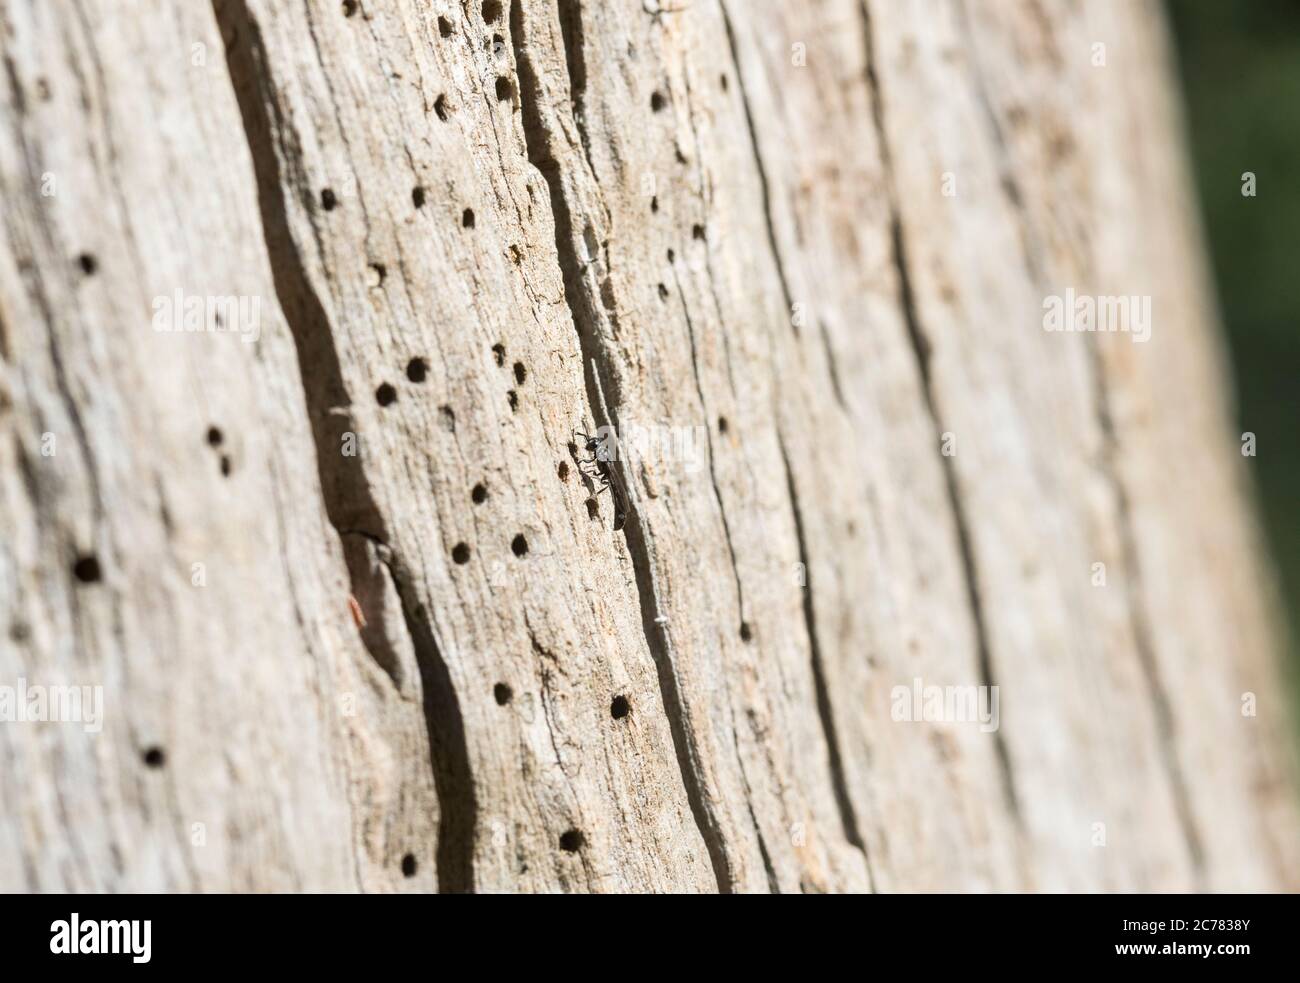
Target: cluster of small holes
x: 328, y: 200
x: 154, y: 757
x: 572, y: 840
x: 619, y: 707
x: 417, y: 370
x: 479, y: 494
x: 417, y: 197
x: 386, y: 395
x: 88, y: 264
x: 409, y: 866
x: 502, y: 693
x: 467, y: 218
x: 519, y: 545
x: 460, y: 553
x: 86, y: 569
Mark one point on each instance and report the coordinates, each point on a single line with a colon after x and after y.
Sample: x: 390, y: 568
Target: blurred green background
x: 1240, y: 65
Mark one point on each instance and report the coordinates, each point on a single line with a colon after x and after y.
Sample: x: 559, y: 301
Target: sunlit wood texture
x: 359, y: 624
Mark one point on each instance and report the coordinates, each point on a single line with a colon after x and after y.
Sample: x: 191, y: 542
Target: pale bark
x: 474, y: 227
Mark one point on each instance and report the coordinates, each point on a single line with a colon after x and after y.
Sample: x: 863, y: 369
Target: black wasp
x: 603, y: 450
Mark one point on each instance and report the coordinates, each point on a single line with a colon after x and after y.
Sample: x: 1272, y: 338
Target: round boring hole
x: 502, y: 694
x: 86, y: 569
x: 519, y: 545
x: 619, y: 707
x: 386, y: 395
x: 571, y: 841
x: 409, y: 866
x: 154, y: 757
x: 479, y: 494
x: 327, y: 200
x: 460, y: 553
x: 417, y: 369
x: 746, y: 633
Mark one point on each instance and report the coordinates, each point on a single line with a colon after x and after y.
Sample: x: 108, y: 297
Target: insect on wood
x: 603, y: 449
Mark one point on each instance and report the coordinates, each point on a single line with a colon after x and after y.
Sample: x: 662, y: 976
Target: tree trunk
x: 361, y: 618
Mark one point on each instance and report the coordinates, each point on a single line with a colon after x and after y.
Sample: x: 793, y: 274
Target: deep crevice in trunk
x: 583, y: 304
x: 277, y: 164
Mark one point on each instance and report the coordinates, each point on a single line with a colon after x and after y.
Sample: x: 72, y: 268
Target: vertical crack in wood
x: 839, y: 782
x: 770, y: 870
x: 583, y: 304
x: 825, y: 712
x: 759, y: 165
x: 1139, y: 622
x: 1142, y: 635
x: 1030, y: 245
x: 279, y: 172
x: 921, y: 348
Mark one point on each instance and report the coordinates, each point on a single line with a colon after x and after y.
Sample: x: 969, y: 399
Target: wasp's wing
x: 619, y: 492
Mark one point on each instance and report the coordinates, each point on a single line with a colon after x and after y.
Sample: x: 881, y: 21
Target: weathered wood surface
x: 414, y: 657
